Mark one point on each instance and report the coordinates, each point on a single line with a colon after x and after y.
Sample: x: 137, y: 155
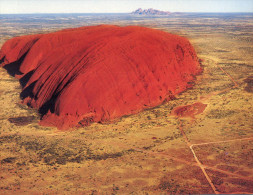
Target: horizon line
x: 114, y: 13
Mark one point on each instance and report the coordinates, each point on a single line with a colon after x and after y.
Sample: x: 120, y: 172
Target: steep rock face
x: 99, y: 73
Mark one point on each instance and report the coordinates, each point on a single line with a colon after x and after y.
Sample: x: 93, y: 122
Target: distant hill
x: 150, y: 12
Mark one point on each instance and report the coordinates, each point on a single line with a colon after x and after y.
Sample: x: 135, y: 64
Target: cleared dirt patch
x: 22, y: 120
x: 189, y: 110
x: 249, y: 87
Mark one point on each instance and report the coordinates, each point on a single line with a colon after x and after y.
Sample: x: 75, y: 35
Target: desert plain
x: 163, y: 150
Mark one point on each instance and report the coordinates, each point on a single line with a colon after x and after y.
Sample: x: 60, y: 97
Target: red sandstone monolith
x: 99, y: 73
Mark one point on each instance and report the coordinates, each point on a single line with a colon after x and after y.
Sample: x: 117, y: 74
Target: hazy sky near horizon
x: 122, y: 6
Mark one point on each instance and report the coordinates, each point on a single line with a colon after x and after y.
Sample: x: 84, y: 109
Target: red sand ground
x: 99, y: 73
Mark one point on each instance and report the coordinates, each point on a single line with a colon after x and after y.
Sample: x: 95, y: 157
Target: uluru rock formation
x: 98, y: 73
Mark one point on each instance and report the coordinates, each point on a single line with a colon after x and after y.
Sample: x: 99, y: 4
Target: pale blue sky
x: 122, y: 6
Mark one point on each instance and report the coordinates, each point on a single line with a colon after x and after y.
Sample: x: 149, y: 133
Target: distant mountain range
x: 150, y: 12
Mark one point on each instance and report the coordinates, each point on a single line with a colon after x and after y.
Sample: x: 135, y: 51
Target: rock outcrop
x: 99, y: 73
x: 150, y: 11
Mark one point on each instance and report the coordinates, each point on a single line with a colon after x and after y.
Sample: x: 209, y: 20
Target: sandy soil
x: 202, y: 150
